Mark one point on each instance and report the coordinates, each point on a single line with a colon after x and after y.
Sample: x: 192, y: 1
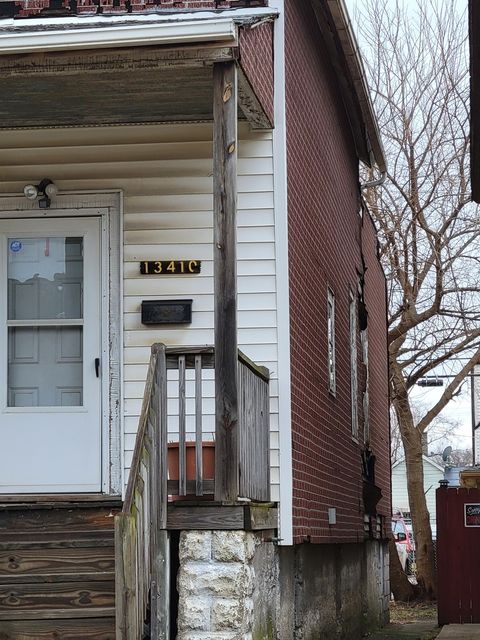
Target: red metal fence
x: 458, y: 555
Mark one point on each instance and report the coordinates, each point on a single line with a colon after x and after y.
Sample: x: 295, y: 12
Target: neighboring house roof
x: 425, y: 459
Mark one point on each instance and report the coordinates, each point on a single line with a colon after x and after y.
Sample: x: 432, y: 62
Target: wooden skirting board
x: 211, y: 515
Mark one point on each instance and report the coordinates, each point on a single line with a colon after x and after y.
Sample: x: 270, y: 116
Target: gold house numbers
x: 170, y: 267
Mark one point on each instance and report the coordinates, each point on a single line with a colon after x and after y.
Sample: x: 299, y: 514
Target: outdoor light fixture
x: 30, y: 192
x: 47, y: 190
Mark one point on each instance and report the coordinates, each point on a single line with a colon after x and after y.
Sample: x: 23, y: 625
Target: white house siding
x: 431, y: 477
x: 165, y: 173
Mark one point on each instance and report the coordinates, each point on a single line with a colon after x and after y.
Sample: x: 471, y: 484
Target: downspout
x: 374, y: 183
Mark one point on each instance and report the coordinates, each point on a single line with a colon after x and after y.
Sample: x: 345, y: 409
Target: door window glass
x: 45, y: 321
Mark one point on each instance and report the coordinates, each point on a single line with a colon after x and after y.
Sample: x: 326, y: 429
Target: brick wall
x: 36, y: 8
x: 324, y: 252
x: 256, y: 60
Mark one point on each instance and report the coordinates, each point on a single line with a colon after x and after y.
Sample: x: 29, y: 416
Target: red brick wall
x: 256, y: 60
x: 324, y: 252
x: 36, y: 8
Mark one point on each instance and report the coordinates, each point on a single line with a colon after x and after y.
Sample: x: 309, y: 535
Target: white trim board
x: 107, y: 205
x: 283, y: 291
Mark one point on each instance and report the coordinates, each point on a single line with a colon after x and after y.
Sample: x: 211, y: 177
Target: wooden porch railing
x: 141, y: 538
x: 141, y: 558
x: 253, y: 427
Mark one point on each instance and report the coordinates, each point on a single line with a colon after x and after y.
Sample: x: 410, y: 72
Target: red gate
x: 458, y: 555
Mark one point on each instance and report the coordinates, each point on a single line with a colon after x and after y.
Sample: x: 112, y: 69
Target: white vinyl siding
x: 165, y: 172
x: 432, y: 474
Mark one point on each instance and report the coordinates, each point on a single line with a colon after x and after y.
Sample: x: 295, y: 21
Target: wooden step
x: 86, y: 629
x: 57, y: 540
x: 57, y: 600
x: 70, y: 519
x: 57, y: 565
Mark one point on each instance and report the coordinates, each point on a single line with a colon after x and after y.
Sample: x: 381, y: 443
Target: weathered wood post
x: 225, y: 270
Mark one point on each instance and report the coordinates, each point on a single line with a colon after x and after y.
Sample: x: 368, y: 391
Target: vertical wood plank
x: 254, y: 436
x: 225, y: 290
x: 160, y: 598
x: 198, y: 426
x: 163, y: 416
x: 182, y: 452
x: 131, y: 577
x: 120, y: 581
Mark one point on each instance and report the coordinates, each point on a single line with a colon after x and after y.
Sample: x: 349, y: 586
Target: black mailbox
x: 166, y: 311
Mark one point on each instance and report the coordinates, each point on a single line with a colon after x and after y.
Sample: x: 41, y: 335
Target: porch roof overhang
x: 144, y: 69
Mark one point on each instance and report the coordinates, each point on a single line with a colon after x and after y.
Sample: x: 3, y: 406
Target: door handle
x: 97, y: 367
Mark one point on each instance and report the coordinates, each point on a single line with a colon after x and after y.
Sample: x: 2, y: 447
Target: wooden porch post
x: 225, y: 269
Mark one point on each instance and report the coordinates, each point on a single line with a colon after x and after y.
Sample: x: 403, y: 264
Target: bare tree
x: 416, y: 63
x: 441, y: 431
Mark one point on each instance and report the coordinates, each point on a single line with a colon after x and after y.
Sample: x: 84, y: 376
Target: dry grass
x: 401, y: 612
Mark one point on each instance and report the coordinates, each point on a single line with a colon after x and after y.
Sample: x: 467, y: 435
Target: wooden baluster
x: 198, y: 427
x: 163, y: 419
x: 182, y: 462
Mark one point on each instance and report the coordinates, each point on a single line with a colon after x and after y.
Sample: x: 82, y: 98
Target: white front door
x: 50, y: 346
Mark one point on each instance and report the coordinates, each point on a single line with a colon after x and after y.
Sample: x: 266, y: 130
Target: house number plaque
x: 170, y: 267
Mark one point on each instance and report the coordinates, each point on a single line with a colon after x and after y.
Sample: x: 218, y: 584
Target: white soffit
x: 220, y: 30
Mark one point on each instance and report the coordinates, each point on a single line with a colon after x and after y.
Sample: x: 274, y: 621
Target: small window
x: 366, y: 399
x: 353, y: 364
x: 331, y: 341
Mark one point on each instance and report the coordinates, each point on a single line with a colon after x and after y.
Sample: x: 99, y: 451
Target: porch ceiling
x: 138, y: 85
x: 132, y: 96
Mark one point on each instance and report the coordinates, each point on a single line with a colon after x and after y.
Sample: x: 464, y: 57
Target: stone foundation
x: 227, y: 586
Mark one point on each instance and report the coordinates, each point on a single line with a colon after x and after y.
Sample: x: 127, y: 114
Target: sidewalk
x: 427, y: 630
x: 460, y: 632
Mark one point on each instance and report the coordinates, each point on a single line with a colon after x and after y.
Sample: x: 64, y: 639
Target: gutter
x: 374, y: 183
x: 94, y: 32
x: 101, y: 37
x: 356, y: 69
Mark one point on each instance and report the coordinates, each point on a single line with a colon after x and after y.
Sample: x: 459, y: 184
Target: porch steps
x: 57, y: 571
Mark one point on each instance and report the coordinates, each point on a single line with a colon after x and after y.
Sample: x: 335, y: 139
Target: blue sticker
x: 15, y: 246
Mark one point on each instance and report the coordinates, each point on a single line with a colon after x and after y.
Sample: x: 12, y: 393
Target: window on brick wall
x: 331, y: 341
x: 354, y: 364
x: 366, y: 400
